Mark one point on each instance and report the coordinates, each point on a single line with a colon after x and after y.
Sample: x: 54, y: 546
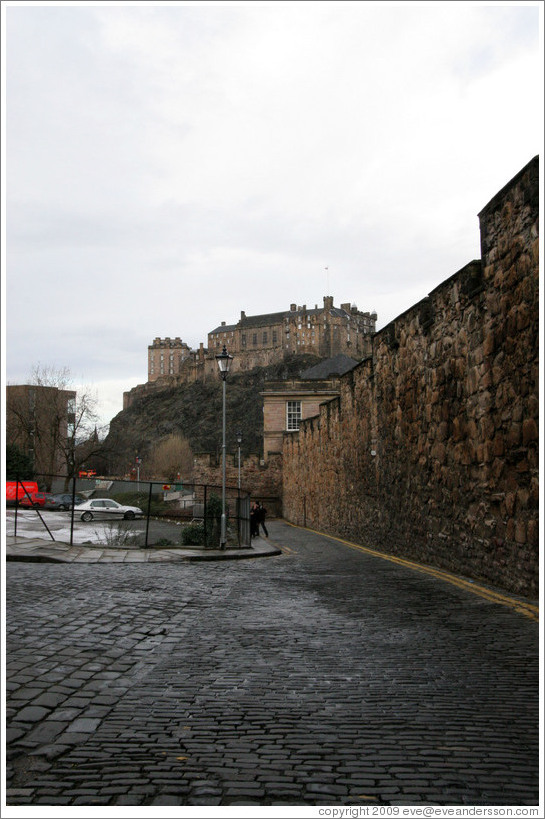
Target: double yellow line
x: 527, y: 609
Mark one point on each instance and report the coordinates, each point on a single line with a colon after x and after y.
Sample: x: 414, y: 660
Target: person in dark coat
x: 260, y: 516
x: 254, y: 523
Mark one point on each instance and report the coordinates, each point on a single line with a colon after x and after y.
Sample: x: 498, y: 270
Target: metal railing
x: 178, y: 515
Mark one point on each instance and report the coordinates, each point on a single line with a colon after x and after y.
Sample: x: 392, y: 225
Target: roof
x: 266, y: 319
x: 338, y: 365
x: 224, y: 328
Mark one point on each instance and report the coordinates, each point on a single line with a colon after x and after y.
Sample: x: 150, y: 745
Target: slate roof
x: 224, y: 328
x: 276, y: 318
x: 338, y: 365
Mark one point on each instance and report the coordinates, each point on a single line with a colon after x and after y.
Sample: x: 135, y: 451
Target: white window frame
x: 293, y: 415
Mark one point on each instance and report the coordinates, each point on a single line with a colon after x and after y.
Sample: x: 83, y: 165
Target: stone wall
x: 262, y: 480
x: 431, y: 449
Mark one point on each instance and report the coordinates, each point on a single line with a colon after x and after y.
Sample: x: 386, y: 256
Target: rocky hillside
x: 195, y: 411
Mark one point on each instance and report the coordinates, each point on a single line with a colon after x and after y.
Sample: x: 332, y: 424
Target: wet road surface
x: 323, y: 676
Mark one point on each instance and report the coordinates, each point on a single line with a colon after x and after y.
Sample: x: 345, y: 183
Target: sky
x: 167, y: 165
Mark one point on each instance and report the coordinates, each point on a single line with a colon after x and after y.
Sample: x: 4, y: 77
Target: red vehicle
x: 43, y: 499
x: 16, y: 489
x: 86, y: 473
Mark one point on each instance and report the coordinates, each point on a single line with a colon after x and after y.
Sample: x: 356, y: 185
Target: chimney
x: 328, y: 302
x: 293, y: 308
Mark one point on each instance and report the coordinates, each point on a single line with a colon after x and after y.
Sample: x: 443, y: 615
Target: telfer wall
x: 431, y: 450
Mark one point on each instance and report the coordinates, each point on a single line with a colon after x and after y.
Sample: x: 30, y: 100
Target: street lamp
x: 239, y: 441
x: 224, y: 362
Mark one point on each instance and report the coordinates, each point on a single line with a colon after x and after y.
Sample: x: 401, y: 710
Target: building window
x: 254, y: 340
x: 264, y: 338
x: 293, y: 415
x: 274, y: 337
x: 243, y: 339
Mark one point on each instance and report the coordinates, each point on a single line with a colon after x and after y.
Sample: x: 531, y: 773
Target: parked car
x: 65, y: 501
x: 44, y: 500
x: 106, y: 508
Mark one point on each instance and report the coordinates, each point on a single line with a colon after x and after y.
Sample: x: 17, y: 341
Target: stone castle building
x: 323, y: 331
x: 257, y: 341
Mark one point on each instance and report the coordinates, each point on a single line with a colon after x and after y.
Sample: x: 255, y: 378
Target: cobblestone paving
x: 324, y: 676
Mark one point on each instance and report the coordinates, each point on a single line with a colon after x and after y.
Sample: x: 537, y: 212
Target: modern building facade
x: 39, y: 422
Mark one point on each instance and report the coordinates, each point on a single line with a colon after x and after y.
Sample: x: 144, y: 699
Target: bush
x: 119, y: 535
x: 193, y: 534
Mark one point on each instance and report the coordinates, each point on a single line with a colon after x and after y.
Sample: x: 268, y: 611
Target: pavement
x: 327, y: 675
x: 47, y: 551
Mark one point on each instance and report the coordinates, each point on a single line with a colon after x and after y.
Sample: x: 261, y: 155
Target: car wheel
x: 62, y: 508
x: 87, y: 516
x: 129, y: 515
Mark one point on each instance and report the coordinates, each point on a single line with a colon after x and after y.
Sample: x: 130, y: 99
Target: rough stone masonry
x: 431, y: 449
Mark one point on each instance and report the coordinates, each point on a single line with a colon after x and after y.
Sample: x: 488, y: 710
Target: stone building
x: 323, y: 331
x: 287, y: 403
x: 165, y: 357
x: 258, y: 341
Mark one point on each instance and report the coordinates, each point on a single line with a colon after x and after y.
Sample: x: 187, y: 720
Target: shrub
x: 193, y: 534
x: 118, y: 535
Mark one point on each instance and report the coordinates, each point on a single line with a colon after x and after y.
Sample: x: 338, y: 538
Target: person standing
x: 254, y: 523
x: 261, y: 513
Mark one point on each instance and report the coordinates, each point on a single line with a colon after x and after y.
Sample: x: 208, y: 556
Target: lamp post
x: 224, y: 362
x: 239, y: 441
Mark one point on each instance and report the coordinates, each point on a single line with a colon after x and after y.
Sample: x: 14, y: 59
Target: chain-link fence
x: 127, y: 514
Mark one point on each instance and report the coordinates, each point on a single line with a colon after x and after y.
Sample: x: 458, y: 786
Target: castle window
x: 254, y: 340
x: 274, y: 337
x: 243, y: 339
x: 264, y: 338
x: 293, y: 415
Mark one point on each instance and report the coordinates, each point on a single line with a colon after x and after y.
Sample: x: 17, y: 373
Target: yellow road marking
x: 528, y: 609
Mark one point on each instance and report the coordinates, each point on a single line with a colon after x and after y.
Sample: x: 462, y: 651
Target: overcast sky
x: 169, y: 165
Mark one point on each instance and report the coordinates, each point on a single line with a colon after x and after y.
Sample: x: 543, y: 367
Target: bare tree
x: 171, y: 459
x: 49, y: 419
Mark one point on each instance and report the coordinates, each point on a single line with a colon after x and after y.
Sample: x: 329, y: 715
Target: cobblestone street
x: 322, y: 676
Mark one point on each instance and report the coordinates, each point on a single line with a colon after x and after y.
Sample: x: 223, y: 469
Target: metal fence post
x: 16, y: 504
x: 204, y: 519
x: 148, y: 514
x: 73, y: 509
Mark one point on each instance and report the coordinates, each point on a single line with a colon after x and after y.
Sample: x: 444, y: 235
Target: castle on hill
x: 258, y: 341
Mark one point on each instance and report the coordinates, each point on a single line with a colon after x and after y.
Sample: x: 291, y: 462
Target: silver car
x: 102, y: 508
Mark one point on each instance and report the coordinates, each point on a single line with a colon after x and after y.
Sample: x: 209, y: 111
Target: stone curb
x: 37, y: 550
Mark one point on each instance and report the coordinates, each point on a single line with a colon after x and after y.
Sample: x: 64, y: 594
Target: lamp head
x: 224, y: 362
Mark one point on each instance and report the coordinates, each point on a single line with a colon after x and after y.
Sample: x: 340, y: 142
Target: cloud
x: 171, y: 165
